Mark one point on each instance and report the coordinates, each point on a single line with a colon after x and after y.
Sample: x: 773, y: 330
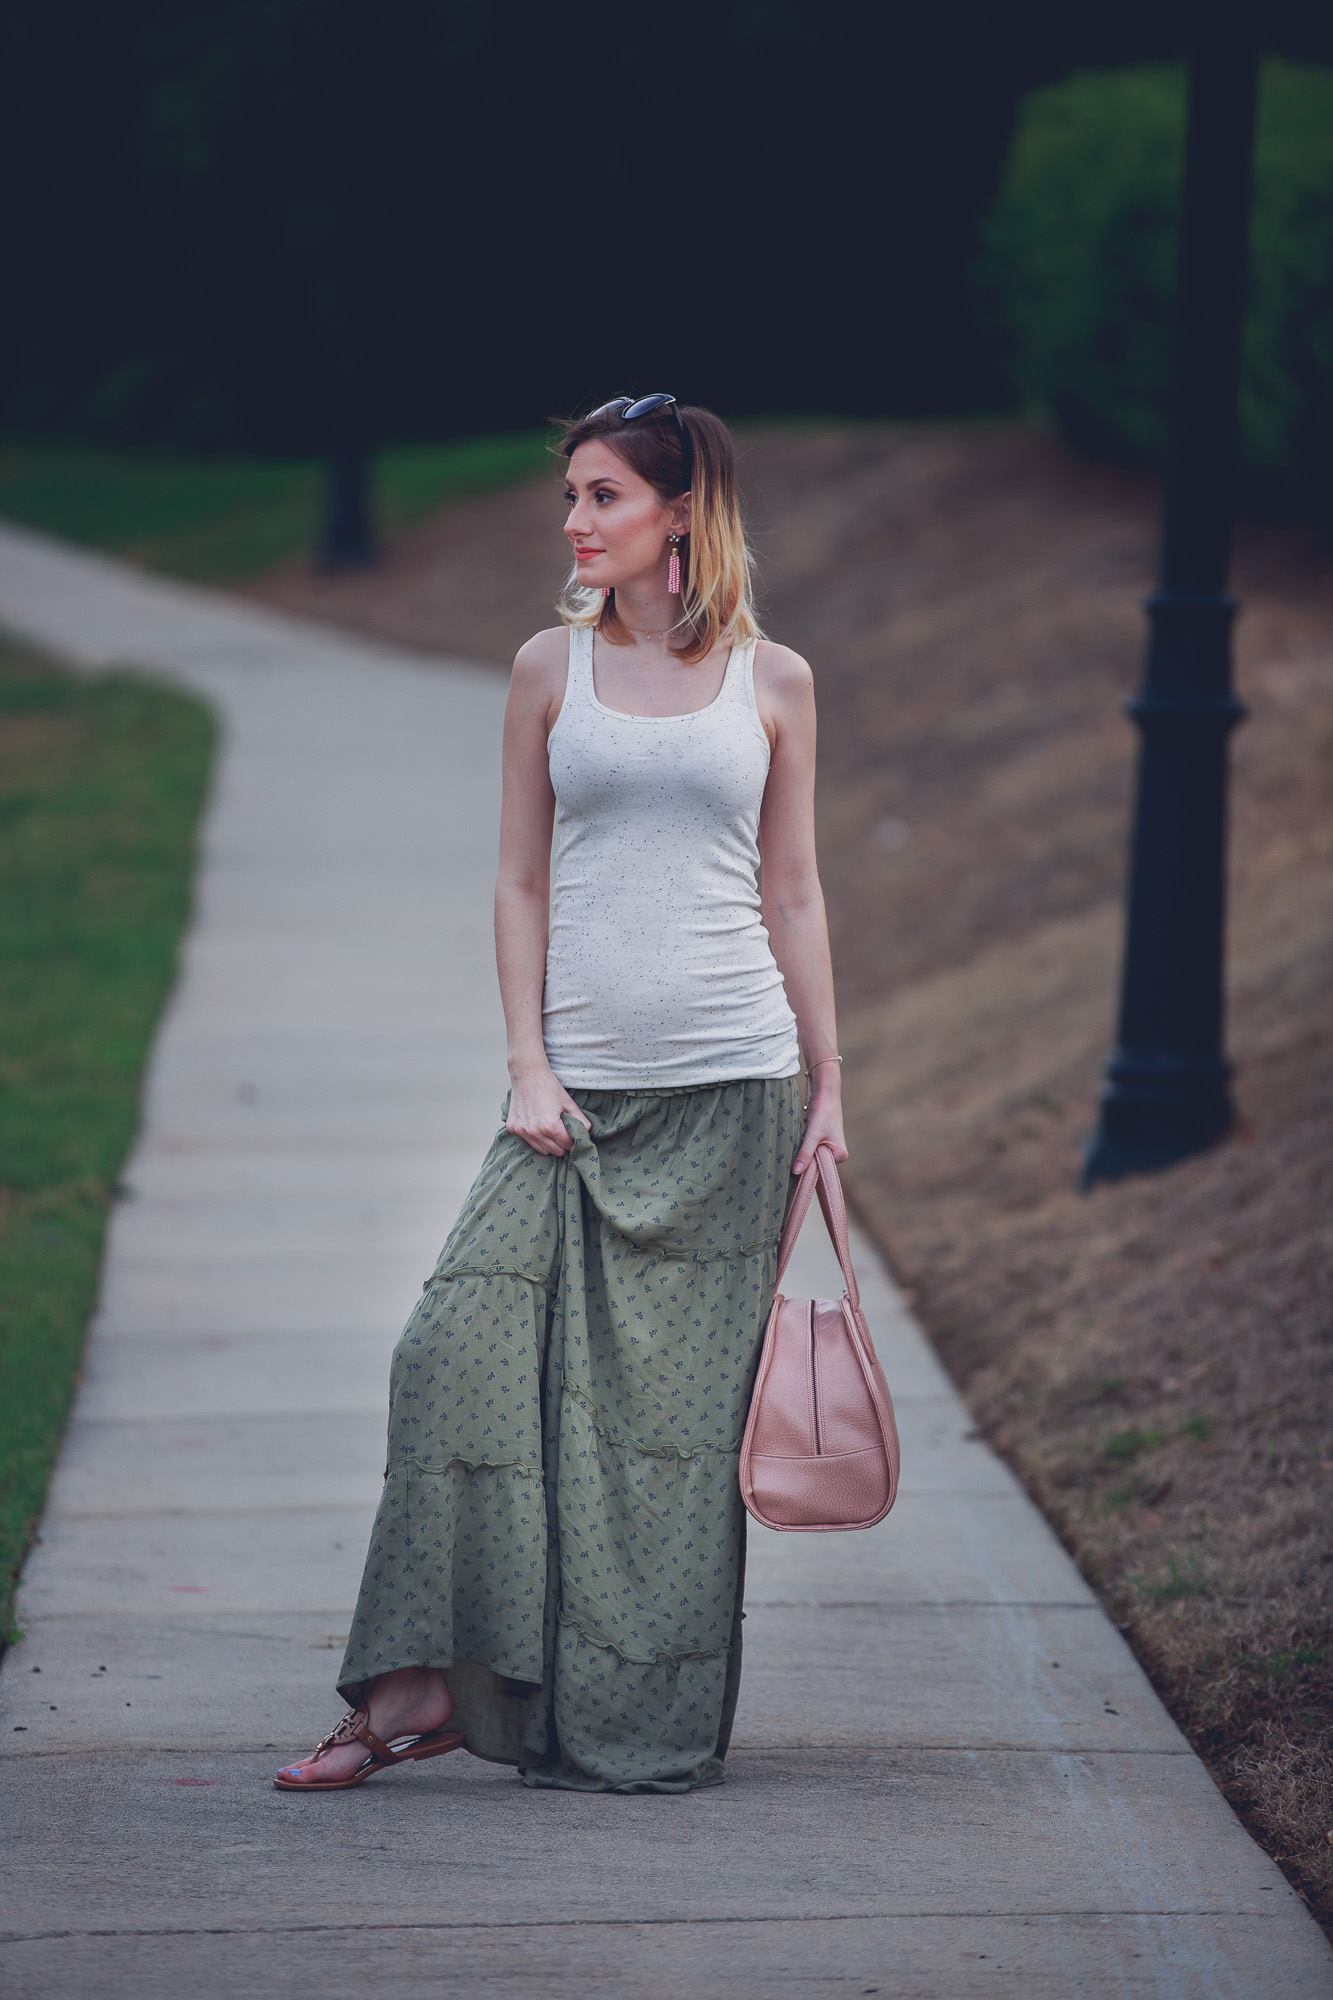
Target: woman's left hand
x: 823, y: 1121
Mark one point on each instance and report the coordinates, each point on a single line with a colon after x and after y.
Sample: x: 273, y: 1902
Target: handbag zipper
x: 814, y: 1385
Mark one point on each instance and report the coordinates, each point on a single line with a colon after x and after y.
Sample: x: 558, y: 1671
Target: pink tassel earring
x: 673, y: 567
x: 606, y: 590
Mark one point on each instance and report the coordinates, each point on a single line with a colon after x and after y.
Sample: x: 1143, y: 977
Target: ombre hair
x: 694, y: 456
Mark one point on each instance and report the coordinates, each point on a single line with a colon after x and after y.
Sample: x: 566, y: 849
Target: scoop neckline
x: 624, y: 714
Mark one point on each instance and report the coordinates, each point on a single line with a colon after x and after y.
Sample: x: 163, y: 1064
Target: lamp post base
x: 1156, y: 1112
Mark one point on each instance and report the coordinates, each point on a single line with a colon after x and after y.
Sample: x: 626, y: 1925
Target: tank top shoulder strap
x: 735, y: 679
x: 738, y: 686
x: 579, y: 679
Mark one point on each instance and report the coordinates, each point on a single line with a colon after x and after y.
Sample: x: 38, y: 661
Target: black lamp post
x: 345, y: 281
x: 1167, y: 1091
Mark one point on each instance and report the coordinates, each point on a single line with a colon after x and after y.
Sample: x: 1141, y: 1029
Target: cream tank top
x: 659, y: 972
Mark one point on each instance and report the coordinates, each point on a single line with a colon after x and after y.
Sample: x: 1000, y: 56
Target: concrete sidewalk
x: 949, y: 1777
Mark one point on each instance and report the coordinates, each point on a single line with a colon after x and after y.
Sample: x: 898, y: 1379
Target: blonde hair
x: 694, y: 456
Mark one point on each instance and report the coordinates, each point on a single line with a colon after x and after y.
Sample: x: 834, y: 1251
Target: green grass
x: 1182, y: 1580
x: 101, y: 782
x: 219, y: 520
x: 1126, y: 1446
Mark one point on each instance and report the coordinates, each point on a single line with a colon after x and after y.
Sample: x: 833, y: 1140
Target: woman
x: 554, y: 1577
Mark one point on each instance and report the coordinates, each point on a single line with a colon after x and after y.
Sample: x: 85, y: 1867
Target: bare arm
x: 793, y: 902
x: 537, y: 1099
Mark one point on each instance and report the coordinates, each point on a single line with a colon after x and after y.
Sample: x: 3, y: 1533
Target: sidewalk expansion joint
x: 889, y: 1745
x: 207, y: 1513
x: 920, y: 1604
x: 639, y: 1923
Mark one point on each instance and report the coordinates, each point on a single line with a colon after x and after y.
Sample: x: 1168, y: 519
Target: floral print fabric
x: 561, y: 1529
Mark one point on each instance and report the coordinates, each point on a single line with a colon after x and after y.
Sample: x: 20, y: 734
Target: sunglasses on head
x: 628, y: 408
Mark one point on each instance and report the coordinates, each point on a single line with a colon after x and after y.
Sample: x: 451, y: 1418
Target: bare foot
x: 411, y: 1702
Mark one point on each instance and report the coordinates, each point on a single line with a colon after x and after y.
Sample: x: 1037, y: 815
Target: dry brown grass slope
x: 1154, y: 1359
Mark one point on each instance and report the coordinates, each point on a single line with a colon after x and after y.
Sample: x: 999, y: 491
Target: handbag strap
x: 823, y: 1175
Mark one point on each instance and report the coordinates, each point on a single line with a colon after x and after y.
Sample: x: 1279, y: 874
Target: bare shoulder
x: 780, y: 674
x: 538, y: 679
x: 544, y: 653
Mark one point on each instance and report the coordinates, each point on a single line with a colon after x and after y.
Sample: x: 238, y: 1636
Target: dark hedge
x: 1079, y: 267
x: 269, y: 225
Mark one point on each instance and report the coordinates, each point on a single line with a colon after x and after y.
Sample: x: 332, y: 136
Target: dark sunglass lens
x: 605, y: 409
x: 645, y: 407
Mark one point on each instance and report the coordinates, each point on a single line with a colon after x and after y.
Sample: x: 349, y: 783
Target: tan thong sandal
x: 356, y: 1726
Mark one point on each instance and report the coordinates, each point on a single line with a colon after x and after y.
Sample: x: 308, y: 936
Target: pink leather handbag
x: 821, y: 1445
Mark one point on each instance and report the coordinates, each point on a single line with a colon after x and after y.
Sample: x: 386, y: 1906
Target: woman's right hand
x: 538, y: 1105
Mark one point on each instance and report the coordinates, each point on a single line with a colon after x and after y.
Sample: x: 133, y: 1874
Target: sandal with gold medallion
x: 381, y: 1756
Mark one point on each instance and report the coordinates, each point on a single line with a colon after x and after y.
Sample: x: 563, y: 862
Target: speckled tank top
x: 659, y: 972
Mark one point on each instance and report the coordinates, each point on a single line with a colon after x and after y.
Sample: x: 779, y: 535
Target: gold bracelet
x: 820, y: 1064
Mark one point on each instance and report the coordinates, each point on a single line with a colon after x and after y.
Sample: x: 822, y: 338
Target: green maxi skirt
x: 561, y: 1530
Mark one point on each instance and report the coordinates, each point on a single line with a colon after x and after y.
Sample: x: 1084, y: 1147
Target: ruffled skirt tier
x: 561, y: 1530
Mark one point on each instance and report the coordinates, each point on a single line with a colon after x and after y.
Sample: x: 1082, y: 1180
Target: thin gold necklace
x: 642, y: 633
